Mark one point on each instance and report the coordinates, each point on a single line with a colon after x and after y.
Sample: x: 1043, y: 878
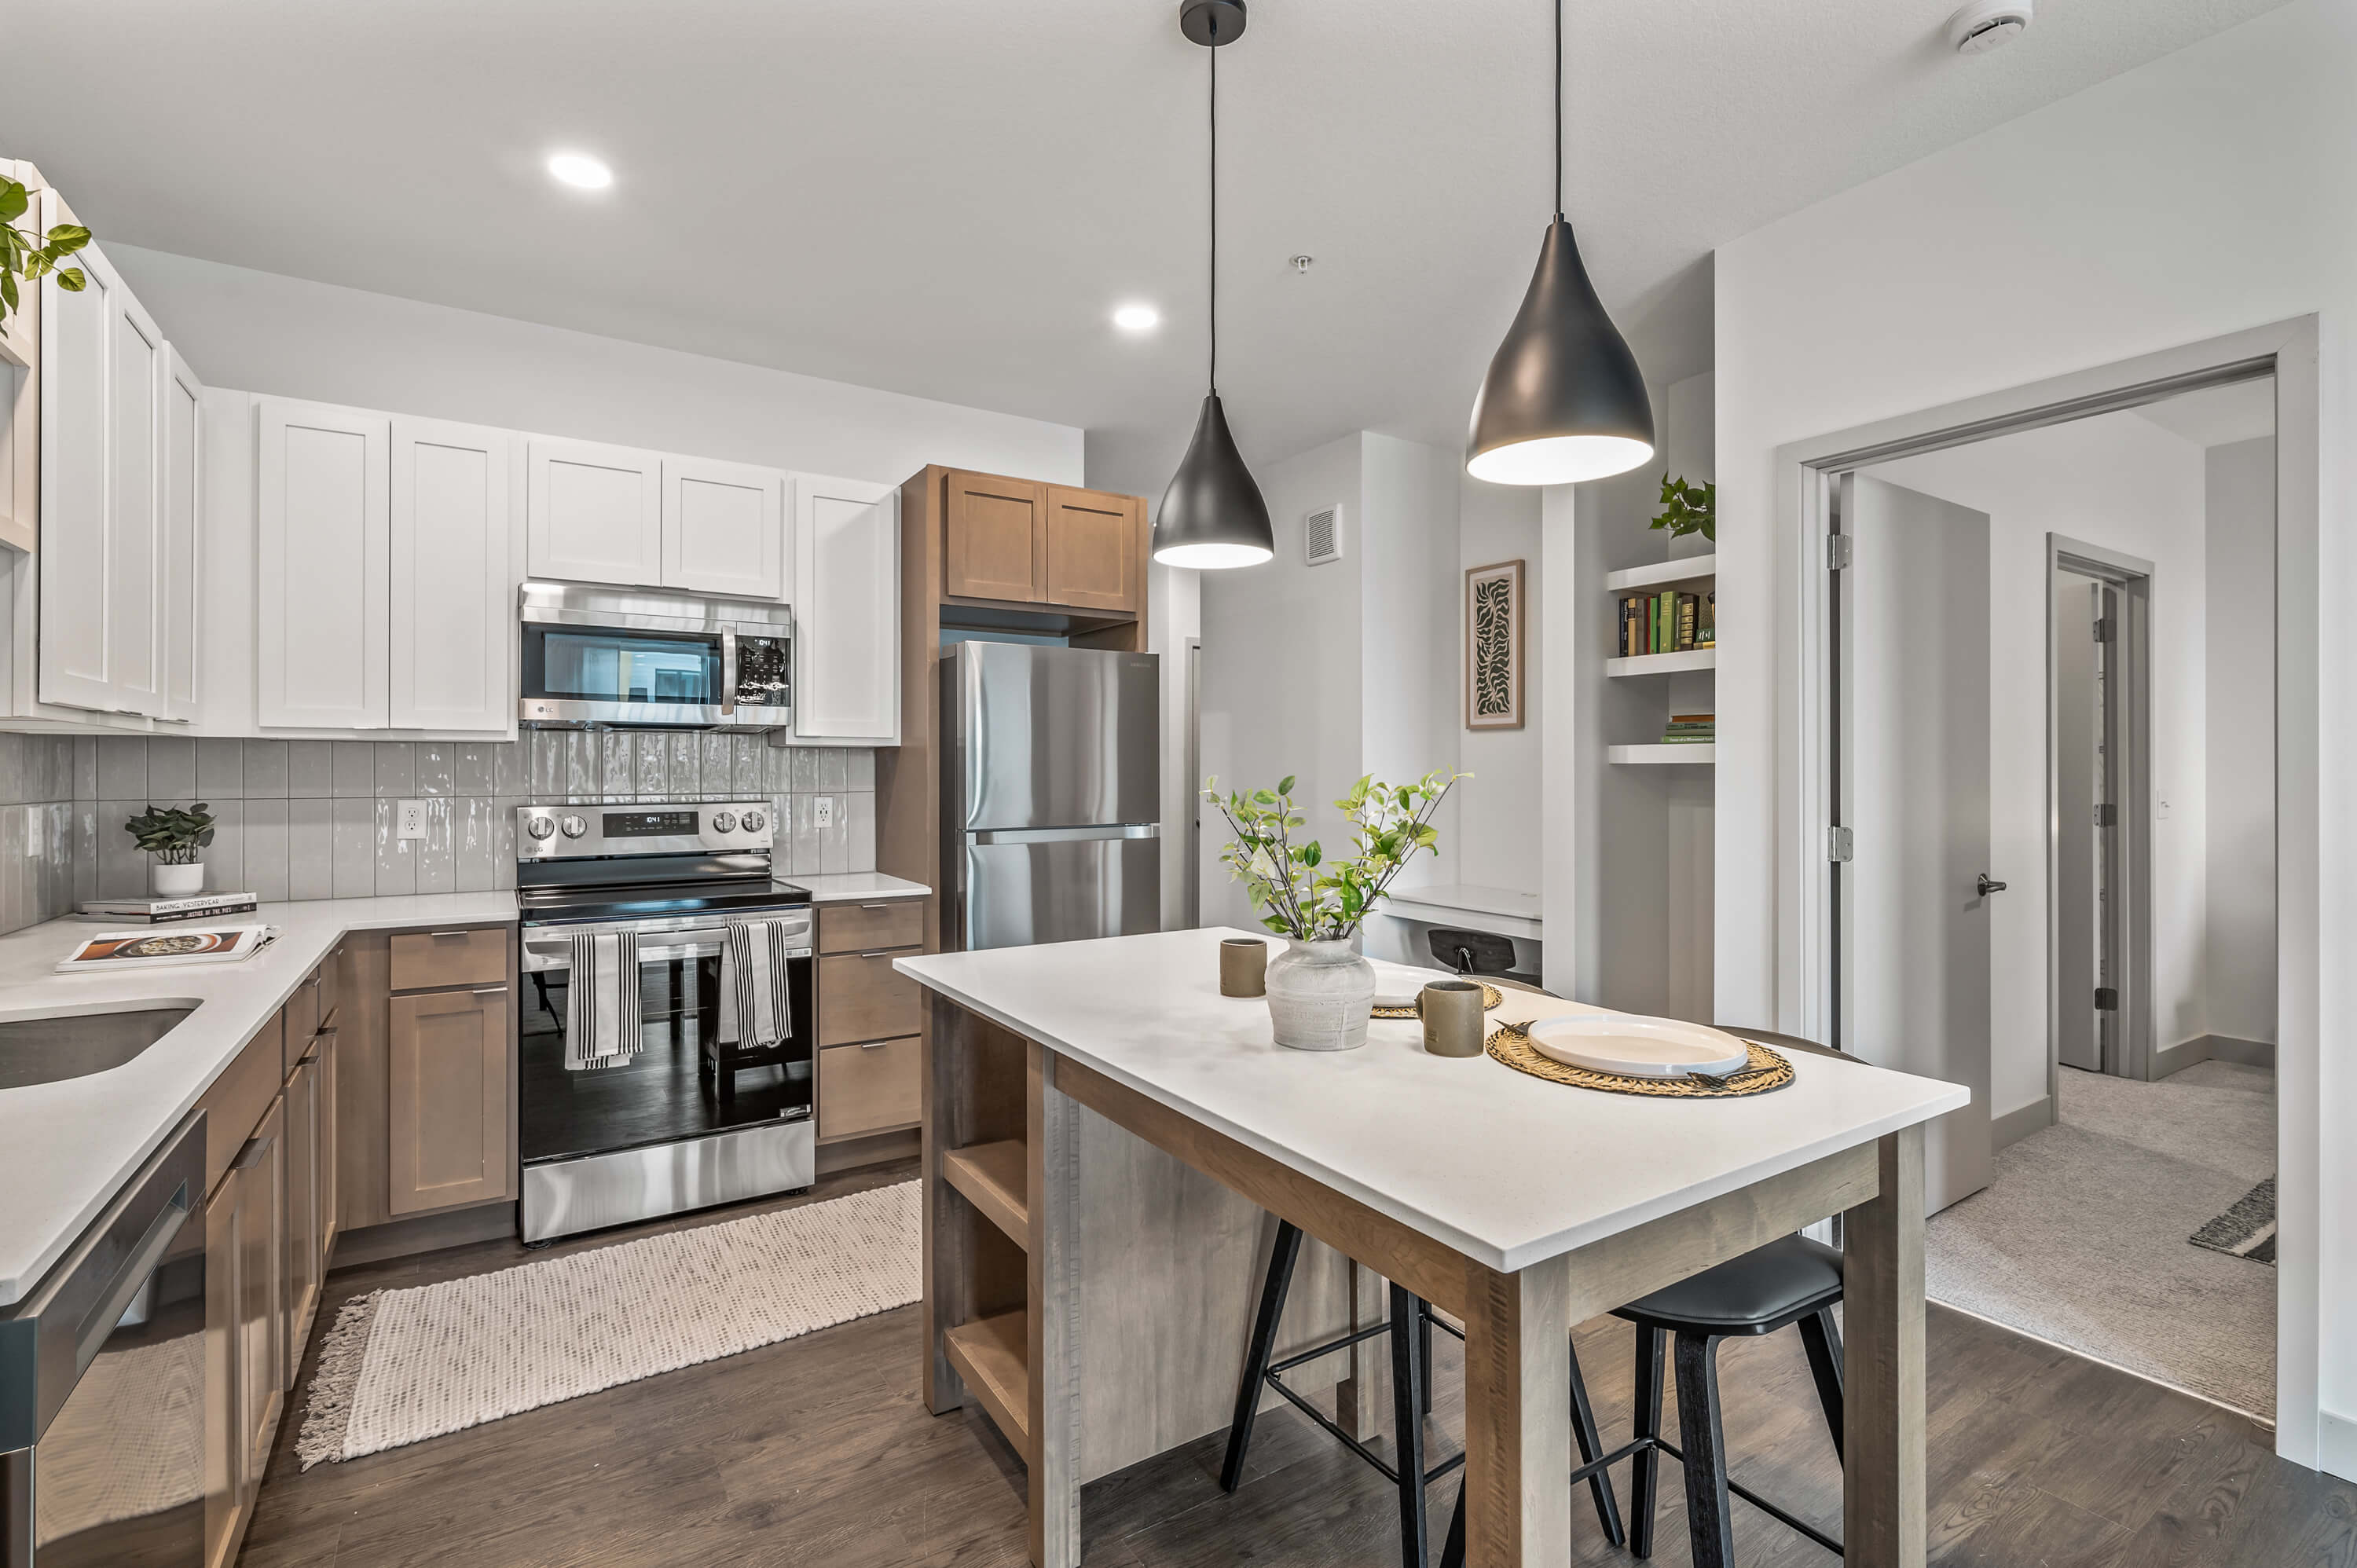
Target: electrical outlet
x: 823, y: 811
x: 413, y: 819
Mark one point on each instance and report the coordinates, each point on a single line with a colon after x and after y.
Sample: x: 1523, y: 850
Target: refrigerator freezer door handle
x: 1065, y: 836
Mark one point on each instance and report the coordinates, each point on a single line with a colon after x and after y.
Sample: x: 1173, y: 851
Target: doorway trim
x: 2133, y: 576
x: 1802, y: 475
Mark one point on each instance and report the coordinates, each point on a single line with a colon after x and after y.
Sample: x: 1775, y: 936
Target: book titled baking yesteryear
x: 159, y: 911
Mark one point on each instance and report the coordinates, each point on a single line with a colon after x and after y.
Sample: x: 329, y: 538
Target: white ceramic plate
x: 1399, y: 984
x: 1635, y: 1046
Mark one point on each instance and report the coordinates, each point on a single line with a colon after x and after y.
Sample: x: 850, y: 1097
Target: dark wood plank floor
x: 819, y: 1451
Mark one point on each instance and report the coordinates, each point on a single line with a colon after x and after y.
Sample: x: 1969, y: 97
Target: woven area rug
x: 401, y: 1366
x: 2245, y: 1230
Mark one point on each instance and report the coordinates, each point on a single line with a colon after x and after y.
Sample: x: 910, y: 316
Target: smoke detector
x: 1987, y: 24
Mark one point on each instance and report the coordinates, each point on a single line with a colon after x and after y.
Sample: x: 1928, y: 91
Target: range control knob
x: 541, y: 827
x: 754, y: 821
x: 724, y: 821
x: 574, y: 827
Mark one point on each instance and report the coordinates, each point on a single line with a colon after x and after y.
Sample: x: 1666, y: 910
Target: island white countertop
x: 1506, y: 1168
x: 856, y: 886
x: 65, y: 1148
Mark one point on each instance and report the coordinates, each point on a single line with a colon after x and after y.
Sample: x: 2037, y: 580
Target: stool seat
x: 1758, y: 1293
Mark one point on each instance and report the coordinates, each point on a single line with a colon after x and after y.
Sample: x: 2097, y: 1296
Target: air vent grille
x: 1321, y: 535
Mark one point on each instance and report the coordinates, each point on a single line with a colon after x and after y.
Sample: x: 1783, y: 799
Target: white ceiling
x: 2241, y: 411
x: 948, y: 196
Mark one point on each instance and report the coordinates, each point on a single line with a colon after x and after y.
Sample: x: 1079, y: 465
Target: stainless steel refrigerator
x: 1051, y: 793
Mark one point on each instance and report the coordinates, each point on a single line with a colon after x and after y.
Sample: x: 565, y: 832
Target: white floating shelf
x: 1663, y: 663
x: 1698, y: 569
x: 1691, y: 752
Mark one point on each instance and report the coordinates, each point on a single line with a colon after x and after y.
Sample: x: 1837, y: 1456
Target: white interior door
x: 1914, y: 685
x: 453, y: 611
x: 2077, y: 789
x: 846, y: 610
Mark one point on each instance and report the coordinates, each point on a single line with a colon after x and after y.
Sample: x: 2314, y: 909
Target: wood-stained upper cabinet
x: 453, y: 611
x: 1095, y: 550
x: 846, y: 610
x: 182, y: 511
x: 593, y: 513
x: 996, y: 544
x: 723, y: 528
x: 323, y: 495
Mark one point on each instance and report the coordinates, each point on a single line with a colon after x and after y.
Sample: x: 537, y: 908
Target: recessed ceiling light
x: 580, y: 171
x: 1137, y: 319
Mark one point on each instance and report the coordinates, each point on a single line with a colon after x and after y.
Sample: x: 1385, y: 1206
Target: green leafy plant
x: 172, y: 835
x: 29, y: 254
x: 1689, y: 509
x: 1299, y: 892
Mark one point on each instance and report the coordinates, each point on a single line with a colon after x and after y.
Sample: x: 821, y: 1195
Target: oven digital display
x: 649, y: 824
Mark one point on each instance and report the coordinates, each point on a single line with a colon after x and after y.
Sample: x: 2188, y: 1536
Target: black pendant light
x: 1564, y: 400
x: 1212, y: 515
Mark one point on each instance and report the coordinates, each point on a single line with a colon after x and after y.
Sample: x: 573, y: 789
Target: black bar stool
x: 1411, y: 1401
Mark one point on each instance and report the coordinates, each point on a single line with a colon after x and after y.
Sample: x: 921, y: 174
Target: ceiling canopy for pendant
x: 1564, y: 400
x: 1213, y: 516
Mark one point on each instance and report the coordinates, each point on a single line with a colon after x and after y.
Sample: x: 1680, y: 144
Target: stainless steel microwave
x: 620, y: 656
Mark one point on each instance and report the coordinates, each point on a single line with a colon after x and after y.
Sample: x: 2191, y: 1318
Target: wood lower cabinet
x: 869, y: 1088
x: 246, y: 1329
x: 447, y: 1052
x: 310, y: 1198
x: 871, y: 1019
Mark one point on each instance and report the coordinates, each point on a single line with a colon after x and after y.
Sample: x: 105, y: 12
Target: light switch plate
x: 823, y: 811
x: 413, y: 819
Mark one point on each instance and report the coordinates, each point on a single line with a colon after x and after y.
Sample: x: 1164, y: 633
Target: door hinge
x: 1836, y: 552
x: 1839, y: 846
x: 2103, y: 628
x: 2107, y: 816
x: 2107, y: 999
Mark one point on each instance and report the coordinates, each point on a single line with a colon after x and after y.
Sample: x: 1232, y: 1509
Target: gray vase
x: 1321, y: 996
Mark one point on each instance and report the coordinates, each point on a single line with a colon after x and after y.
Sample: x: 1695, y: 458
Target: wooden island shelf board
x: 1159, y: 1135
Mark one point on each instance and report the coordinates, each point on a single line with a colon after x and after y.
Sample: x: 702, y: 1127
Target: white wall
x: 2209, y: 191
x: 290, y: 338
x: 2125, y: 483
x: 1410, y: 587
x: 1174, y: 617
x: 2241, y: 546
x: 1500, y: 806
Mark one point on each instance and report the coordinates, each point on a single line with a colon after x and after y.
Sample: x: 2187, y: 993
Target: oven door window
x: 580, y: 664
x: 668, y: 1091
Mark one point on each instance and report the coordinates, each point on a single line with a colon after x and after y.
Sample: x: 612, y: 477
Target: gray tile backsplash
x: 314, y: 819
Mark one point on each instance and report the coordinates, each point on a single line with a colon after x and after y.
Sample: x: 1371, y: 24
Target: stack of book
x: 1690, y: 727
x: 1667, y: 622
x: 162, y: 911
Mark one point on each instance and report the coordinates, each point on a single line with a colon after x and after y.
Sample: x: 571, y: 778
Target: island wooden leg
x: 1051, y: 1137
x: 1883, y: 1506
x: 1518, y: 1417
x: 948, y: 1267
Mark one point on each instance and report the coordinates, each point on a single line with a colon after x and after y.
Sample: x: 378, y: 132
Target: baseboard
x: 2167, y: 1059
x: 2019, y: 1123
x: 2212, y: 1047
x: 2336, y: 1445
x: 425, y: 1233
x: 851, y: 1154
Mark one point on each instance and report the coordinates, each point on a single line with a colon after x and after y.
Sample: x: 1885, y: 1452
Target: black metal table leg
x: 1452, y: 1551
x: 1820, y: 1337
x: 1709, y: 1516
x: 1591, y: 1444
x: 1424, y: 1347
x: 1644, y: 1470
x: 1407, y: 1414
x: 1257, y: 1356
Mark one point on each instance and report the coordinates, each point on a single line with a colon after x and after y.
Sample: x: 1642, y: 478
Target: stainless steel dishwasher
x: 102, y: 1383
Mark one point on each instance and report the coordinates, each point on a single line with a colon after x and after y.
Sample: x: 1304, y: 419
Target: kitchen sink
x: 60, y: 1046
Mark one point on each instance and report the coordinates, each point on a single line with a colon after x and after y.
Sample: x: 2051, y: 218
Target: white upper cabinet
x: 180, y: 511
x: 453, y: 608
x: 723, y: 528
x: 137, y: 379
x: 323, y: 602
x: 846, y: 610
x: 77, y: 474
x: 593, y: 513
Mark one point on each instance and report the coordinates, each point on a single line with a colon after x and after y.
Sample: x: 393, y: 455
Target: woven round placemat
x: 1767, y: 1072
x: 1490, y: 997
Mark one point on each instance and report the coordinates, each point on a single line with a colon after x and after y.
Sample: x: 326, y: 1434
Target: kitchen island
x: 1081, y: 1285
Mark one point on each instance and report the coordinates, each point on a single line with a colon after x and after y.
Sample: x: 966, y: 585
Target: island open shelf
x: 989, y: 1354
x: 991, y: 1177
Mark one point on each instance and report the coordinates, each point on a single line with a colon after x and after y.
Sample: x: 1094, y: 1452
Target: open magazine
x: 108, y: 951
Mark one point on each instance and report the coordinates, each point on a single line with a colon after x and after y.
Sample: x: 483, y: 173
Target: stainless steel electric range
x: 671, y: 1129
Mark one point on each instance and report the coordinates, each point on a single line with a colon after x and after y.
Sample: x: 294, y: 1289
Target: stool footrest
x: 1390, y: 1471
x: 1738, y: 1487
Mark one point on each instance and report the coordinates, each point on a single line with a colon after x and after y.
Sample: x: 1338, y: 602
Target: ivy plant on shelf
x: 1688, y: 509
x: 28, y: 255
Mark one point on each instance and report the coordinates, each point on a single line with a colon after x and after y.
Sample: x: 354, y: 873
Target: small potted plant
x: 1321, y: 991
x: 175, y: 837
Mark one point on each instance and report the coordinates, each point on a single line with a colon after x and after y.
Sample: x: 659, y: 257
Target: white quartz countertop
x: 66, y: 1148
x: 1506, y: 1168
x: 857, y: 887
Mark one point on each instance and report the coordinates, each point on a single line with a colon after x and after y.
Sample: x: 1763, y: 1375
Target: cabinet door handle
x: 489, y: 990
x: 438, y: 936
x: 875, y: 906
x: 873, y: 1045
x: 251, y: 1155
x: 876, y: 955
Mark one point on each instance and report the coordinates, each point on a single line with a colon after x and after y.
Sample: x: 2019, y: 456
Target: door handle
x: 1987, y: 887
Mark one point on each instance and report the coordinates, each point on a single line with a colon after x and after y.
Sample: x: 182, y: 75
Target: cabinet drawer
x: 303, y: 1014
x: 240, y: 1098
x: 424, y: 961
x: 864, y: 928
x: 862, y: 998
x: 862, y: 1089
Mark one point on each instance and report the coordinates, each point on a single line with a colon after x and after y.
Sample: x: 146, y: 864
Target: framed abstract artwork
x: 1493, y: 647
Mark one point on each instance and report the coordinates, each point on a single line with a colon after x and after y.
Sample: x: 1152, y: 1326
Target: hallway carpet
x: 2082, y: 1237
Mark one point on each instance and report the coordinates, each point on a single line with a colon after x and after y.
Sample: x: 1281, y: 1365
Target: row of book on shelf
x: 1684, y: 728
x: 1667, y: 622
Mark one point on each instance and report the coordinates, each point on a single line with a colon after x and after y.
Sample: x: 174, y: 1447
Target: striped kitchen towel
x: 601, y: 1001
x: 756, y: 995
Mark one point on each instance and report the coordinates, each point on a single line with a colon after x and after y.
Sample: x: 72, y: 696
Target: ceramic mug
x: 1243, y: 966
x: 1452, y: 1014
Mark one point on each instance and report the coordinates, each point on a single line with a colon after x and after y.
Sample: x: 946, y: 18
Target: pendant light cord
x: 1558, y: 111
x: 1214, y: 377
